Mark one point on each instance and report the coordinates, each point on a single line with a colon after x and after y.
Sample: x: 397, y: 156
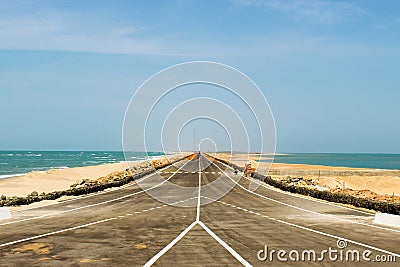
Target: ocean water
x: 374, y: 161
x: 20, y: 162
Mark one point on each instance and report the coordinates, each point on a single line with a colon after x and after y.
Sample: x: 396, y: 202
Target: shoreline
x: 44, y: 182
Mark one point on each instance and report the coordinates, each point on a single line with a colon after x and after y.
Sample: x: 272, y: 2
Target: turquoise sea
x: 374, y: 161
x: 20, y: 162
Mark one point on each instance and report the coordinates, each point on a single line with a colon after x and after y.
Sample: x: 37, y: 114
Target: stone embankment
x: 86, y: 186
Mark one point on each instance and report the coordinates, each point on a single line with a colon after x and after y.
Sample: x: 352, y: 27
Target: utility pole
x: 194, y: 140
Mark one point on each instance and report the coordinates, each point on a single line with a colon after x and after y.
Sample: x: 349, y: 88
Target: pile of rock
x: 86, y: 186
x: 367, y: 194
x: 298, y: 181
x: 392, y: 207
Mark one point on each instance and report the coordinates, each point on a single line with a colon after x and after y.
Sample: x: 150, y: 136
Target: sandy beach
x: 54, y: 179
x: 379, y: 181
x: 62, y: 179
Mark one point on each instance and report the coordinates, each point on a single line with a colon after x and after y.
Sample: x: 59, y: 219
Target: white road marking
x: 197, y: 221
x: 81, y: 226
x: 226, y: 246
x: 108, y: 190
x: 312, y: 230
x: 111, y: 189
x: 162, y: 206
x: 96, y: 204
x: 295, y: 195
x: 310, y: 211
x: 170, y: 245
x: 56, y: 232
x: 198, y: 196
x: 304, y: 197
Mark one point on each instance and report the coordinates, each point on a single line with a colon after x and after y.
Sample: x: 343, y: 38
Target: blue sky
x: 329, y: 69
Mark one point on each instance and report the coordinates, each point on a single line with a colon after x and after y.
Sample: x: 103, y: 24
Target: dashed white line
x: 310, y: 211
x: 93, y: 205
x: 112, y: 189
x: 198, y: 196
x: 295, y: 195
x: 312, y: 230
x: 303, y: 197
x: 56, y: 232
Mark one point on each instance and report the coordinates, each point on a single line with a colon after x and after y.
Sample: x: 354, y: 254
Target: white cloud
x: 49, y: 30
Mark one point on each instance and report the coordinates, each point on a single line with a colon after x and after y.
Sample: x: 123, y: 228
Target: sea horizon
x: 20, y: 162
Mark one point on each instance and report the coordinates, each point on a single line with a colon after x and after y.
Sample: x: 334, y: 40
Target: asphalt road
x: 219, y: 223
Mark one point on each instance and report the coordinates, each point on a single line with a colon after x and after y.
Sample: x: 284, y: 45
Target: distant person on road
x: 235, y: 171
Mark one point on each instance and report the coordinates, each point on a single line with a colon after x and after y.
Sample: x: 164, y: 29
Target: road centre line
x: 190, y: 227
x: 198, y: 196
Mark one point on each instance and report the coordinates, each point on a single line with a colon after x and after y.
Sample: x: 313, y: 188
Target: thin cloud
x: 392, y: 23
x: 59, y: 32
x: 315, y: 10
